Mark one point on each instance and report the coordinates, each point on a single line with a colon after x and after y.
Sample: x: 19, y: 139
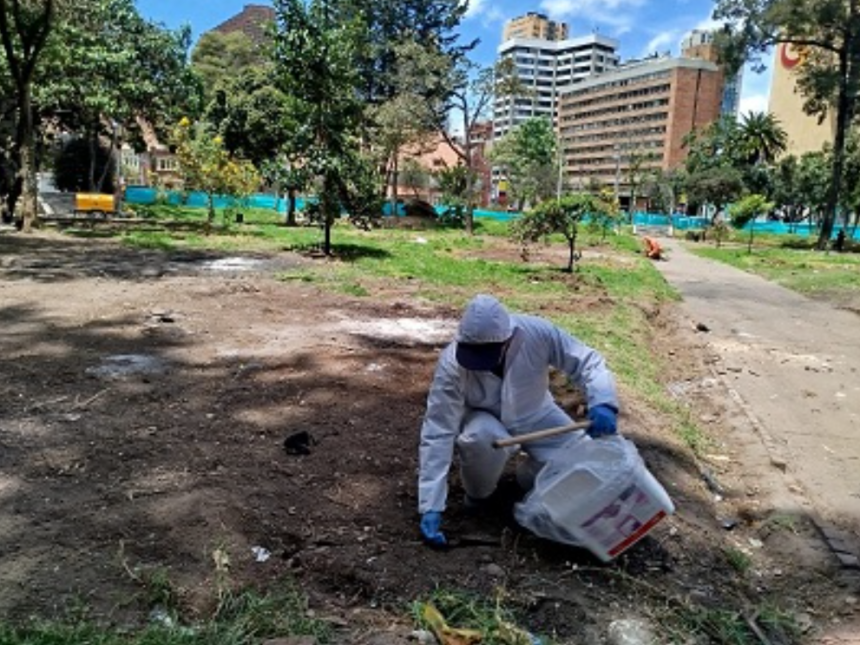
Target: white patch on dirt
x: 232, y: 264
x: 127, y: 364
x: 420, y: 330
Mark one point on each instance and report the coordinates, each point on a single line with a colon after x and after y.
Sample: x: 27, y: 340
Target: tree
x: 454, y: 184
x: 813, y: 173
x: 24, y: 29
x: 470, y: 95
x: 405, y: 120
x: 430, y: 25
x: 786, y: 189
x: 664, y: 188
x: 827, y: 34
x: 559, y: 216
x: 746, y: 211
x: 527, y: 156
x: 208, y: 167
x: 718, y: 186
x: 315, y: 63
x: 717, y: 144
x: 762, y: 137
x: 221, y: 58
x: 108, y: 67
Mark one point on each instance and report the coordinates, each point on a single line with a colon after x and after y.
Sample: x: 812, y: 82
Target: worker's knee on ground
x: 481, y: 464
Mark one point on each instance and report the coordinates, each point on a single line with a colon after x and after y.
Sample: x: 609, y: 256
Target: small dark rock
x: 298, y: 443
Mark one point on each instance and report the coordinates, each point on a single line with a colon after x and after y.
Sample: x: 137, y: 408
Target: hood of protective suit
x: 485, y: 320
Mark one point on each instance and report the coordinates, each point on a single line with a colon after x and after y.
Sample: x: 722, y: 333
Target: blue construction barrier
x: 145, y: 195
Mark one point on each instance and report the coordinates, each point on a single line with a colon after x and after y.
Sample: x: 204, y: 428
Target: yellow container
x: 94, y: 203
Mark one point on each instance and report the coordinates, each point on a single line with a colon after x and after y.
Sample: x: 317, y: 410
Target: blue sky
x: 642, y: 26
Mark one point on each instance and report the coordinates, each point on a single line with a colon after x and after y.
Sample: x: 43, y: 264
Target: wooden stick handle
x: 541, y: 434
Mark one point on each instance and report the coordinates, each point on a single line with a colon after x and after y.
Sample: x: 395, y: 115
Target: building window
x: 166, y: 164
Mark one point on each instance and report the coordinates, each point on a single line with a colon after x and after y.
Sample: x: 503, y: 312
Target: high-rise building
x: 700, y: 44
x: 534, y: 25
x: 628, y: 120
x: 544, y: 69
x: 805, y: 133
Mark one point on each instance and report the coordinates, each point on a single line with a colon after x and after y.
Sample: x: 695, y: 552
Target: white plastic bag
x: 594, y: 493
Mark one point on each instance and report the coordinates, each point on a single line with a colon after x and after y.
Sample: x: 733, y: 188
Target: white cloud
x: 659, y: 42
x: 617, y: 14
x: 708, y: 24
x: 475, y: 8
x: 753, y: 103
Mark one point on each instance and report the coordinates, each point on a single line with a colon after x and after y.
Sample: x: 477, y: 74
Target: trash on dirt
x: 121, y: 365
x: 375, y: 367
x: 629, y: 631
x: 606, y: 501
x: 413, y: 330
x: 160, y: 616
x: 162, y: 316
x: 232, y: 264
x: 261, y: 554
x: 713, y: 485
x: 299, y: 443
x: 445, y: 634
x: 423, y: 636
x: 728, y: 524
x: 510, y: 634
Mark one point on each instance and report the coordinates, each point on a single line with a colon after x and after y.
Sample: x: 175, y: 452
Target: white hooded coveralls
x: 471, y: 409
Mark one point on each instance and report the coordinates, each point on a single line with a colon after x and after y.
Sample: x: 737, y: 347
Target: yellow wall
x: 804, y: 132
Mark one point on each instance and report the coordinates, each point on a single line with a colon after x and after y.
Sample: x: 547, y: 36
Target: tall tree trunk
x: 92, y: 141
x: 842, y: 119
x: 291, y: 206
x: 27, y: 172
x: 394, y: 172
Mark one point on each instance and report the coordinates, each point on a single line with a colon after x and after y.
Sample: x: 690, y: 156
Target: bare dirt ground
x: 144, y: 403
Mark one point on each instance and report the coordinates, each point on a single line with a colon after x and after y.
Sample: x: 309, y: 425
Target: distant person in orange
x: 652, y: 248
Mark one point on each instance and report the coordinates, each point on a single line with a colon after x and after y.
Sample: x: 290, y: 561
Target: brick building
x: 545, y: 68
x: 617, y: 125
x: 253, y: 21
x: 534, y: 25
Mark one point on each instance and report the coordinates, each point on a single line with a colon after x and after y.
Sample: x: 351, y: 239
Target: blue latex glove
x: 603, y: 420
x: 431, y: 522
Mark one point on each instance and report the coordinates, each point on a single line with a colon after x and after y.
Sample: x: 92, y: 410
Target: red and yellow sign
x: 791, y: 55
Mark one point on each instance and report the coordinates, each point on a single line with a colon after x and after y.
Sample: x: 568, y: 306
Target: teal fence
x: 145, y: 195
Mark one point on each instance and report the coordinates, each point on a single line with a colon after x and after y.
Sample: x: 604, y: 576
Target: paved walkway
x: 793, y: 363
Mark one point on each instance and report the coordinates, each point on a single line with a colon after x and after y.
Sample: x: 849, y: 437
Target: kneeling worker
x: 492, y: 383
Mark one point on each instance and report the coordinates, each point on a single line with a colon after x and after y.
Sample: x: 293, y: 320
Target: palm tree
x: 762, y: 137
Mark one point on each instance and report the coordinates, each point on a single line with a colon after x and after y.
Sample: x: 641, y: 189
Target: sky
x: 641, y: 26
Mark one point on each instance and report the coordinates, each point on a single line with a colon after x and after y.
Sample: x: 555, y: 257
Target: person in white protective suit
x: 492, y: 382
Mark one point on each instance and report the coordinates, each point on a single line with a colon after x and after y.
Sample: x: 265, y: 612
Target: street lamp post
x: 617, y: 149
x: 560, y: 169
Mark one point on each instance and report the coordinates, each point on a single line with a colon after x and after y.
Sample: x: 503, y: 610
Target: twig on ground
x: 79, y: 405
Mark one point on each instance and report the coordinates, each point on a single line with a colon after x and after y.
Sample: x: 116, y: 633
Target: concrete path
x: 792, y: 363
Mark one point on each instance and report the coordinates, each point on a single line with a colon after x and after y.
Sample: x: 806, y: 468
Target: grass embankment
x: 807, y: 271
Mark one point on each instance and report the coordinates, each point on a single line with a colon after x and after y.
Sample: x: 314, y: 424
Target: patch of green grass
x: 738, y: 560
x: 245, y: 617
x: 781, y: 522
x: 161, y: 240
x: 805, y: 271
x: 720, y: 626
